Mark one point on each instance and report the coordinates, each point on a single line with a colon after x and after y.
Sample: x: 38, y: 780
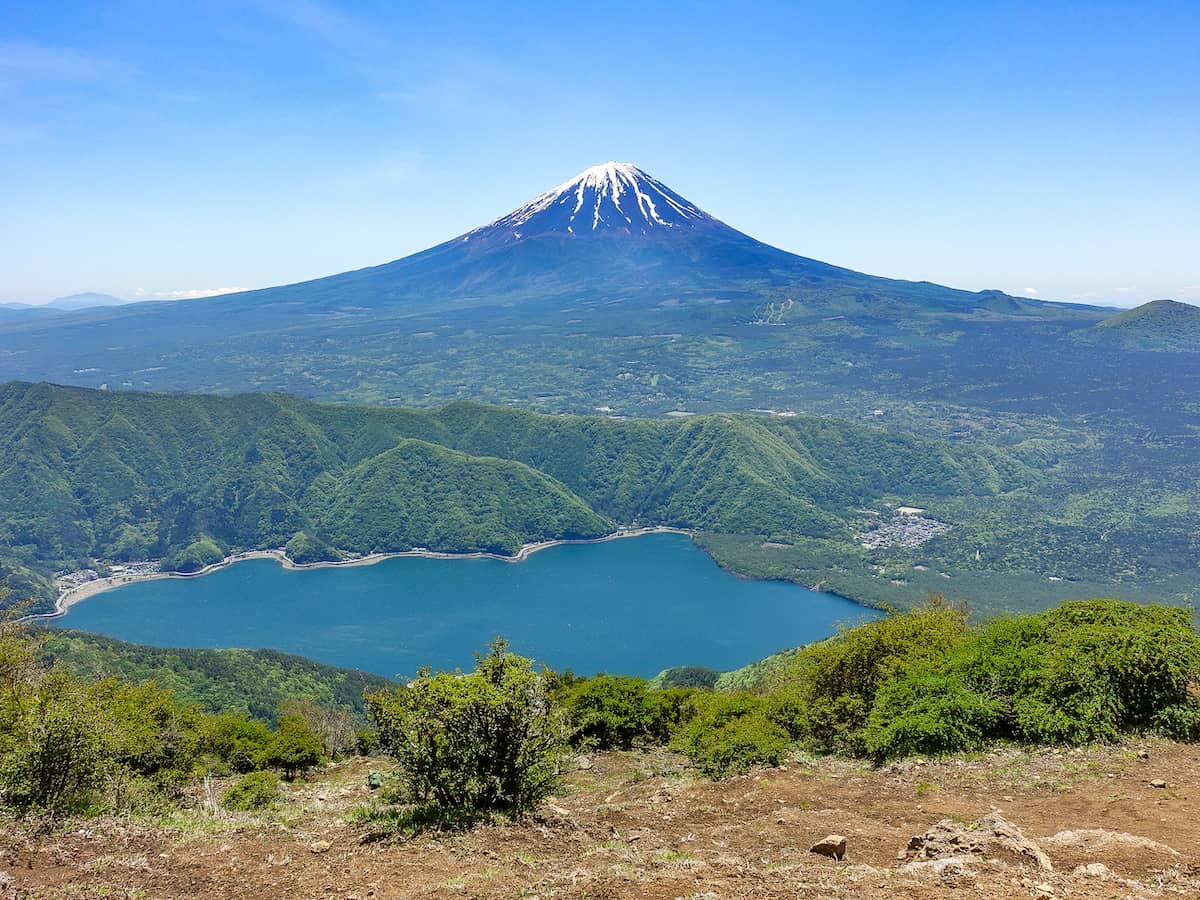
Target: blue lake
x: 633, y: 606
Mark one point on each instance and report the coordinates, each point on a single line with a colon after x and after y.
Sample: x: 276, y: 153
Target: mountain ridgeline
x: 118, y: 476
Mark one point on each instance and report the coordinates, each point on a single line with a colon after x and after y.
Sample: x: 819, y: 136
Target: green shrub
x: 1180, y: 721
x: 366, y: 741
x: 472, y: 745
x: 608, y: 712
x: 730, y: 734
x: 1088, y: 670
x: 255, y: 790
x: 293, y: 748
x: 333, y: 727
x: 149, y: 733
x: 54, y: 750
x: 825, y: 695
x: 233, y: 739
x: 928, y: 713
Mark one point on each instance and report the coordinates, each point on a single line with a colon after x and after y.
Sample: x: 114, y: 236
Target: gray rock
x: 989, y: 835
x: 946, y: 866
x: 833, y: 846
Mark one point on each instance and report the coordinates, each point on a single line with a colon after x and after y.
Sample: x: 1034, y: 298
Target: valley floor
x: 643, y: 825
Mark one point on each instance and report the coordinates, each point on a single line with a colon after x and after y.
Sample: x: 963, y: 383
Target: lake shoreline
x: 79, y: 593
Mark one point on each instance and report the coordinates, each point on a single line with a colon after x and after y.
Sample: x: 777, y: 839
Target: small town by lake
x: 633, y: 606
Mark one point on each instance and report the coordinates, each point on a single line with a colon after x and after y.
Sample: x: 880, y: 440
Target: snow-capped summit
x: 609, y: 198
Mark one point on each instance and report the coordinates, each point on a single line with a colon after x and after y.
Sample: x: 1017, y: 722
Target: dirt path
x: 641, y: 825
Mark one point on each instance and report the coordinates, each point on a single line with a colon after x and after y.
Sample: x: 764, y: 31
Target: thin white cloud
x: 26, y: 61
x: 398, y: 169
x: 327, y: 23
x: 1125, y: 290
x: 1030, y: 291
x: 185, y: 294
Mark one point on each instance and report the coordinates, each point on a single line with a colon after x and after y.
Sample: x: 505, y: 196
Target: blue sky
x: 170, y: 149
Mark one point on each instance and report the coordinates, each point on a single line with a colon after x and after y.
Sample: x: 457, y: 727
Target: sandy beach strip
x: 82, y: 592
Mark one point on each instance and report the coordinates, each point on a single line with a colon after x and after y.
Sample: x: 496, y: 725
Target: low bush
x: 825, y: 695
x: 293, y: 748
x: 928, y: 713
x: 54, y: 754
x: 71, y: 745
x: 1085, y: 671
x: 233, y: 741
x: 254, y: 790
x: 473, y: 745
x: 1088, y: 670
x: 608, y: 712
x: 730, y: 734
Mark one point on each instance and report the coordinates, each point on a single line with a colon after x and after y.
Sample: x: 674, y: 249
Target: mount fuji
x: 567, y: 283
x: 612, y: 231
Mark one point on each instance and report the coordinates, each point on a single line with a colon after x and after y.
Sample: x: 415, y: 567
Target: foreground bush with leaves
x: 925, y: 683
x: 476, y: 744
x: 71, y: 746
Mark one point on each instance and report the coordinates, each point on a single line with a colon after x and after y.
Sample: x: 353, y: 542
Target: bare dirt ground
x: 642, y: 825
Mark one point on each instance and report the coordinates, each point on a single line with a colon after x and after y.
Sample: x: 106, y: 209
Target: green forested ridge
x: 123, y: 476
x: 1158, y: 325
x: 254, y: 682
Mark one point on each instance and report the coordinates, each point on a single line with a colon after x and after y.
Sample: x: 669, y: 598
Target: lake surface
x: 633, y: 606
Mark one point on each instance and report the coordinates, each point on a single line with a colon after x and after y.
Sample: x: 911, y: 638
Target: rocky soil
x: 1118, y: 821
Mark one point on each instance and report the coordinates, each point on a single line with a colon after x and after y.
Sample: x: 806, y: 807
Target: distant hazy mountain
x: 72, y: 303
x: 85, y: 301
x: 1158, y: 325
x: 14, y: 312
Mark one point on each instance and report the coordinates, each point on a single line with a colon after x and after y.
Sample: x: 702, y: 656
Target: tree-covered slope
x: 417, y: 493
x: 251, y: 681
x: 1158, y: 325
x: 96, y: 475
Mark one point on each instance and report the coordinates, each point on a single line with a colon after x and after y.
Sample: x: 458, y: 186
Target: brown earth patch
x: 645, y: 825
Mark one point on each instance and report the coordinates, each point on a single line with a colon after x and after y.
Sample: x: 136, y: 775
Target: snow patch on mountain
x: 606, y: 198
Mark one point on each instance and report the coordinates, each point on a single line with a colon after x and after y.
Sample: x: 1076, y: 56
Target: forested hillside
x: 112, y: 476
x: 254, y: 682
x: 1158, y: 325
